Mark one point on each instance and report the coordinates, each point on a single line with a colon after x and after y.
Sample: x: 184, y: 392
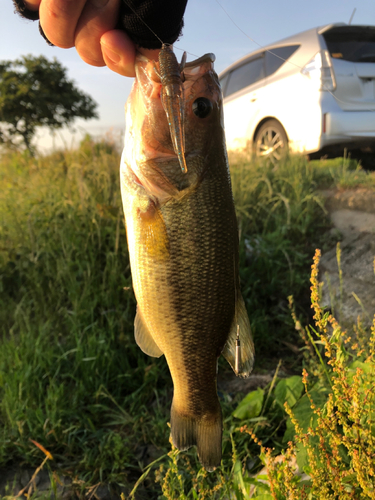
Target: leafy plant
x: 330, y: 433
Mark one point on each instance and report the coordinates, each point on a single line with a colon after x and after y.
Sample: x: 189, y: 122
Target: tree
x: 35, y: 92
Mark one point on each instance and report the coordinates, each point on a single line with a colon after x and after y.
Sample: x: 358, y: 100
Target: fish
x: 184, y: 248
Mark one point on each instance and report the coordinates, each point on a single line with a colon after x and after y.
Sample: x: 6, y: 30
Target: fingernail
x: 110, y: 54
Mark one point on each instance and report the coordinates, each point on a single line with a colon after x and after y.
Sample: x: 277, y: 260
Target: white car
x: 313, y: 93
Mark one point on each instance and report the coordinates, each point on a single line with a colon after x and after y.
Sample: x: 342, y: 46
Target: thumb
x: 118, y: 52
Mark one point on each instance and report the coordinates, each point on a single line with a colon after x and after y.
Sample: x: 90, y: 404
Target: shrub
x: 331, y: 429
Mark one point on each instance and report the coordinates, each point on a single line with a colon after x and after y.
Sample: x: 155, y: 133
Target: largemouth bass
x: 183, y: 245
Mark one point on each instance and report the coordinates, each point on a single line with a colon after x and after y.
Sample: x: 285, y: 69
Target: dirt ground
x: 352, y: 213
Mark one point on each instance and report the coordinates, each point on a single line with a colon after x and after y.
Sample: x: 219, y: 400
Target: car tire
x: 271, y: 141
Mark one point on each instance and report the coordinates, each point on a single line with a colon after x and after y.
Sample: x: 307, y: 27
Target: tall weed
x: 70, y: 371
x: 330, y: 433
x: 281, y: 221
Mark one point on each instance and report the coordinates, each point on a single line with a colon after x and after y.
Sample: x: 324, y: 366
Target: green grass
x: 71, y: 376
x: 281, y: 221
x: 66, y: 320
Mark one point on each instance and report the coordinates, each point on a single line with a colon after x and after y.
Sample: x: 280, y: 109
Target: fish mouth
x: 165, y: 100
x: 162, y: 82
x: 160, y: 149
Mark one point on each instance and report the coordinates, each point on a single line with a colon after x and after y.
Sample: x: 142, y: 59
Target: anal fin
x: 144, y: 338
x: 247, y: 346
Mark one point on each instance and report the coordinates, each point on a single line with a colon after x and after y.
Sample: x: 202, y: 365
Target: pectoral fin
x: 144, y: 339
x: 247, y: 347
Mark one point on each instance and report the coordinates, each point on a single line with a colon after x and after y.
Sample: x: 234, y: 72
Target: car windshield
x: 351, y: 43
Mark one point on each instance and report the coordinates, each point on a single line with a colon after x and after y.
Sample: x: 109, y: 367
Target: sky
x: 207, y: 29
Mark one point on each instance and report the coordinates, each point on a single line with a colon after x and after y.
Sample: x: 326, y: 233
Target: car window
x: 223, y: 82
x: 351, y: 43
x: 245, y: 75
x: 277, y: 56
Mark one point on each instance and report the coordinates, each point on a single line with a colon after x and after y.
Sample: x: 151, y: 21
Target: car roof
x: 298, y: 38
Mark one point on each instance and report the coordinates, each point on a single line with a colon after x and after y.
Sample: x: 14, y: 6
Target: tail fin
x: 205, y: 432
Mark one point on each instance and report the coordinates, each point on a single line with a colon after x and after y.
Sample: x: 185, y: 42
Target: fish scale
x: 183, y: 246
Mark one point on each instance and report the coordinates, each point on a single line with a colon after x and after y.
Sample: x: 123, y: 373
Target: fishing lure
x: 172, y: 97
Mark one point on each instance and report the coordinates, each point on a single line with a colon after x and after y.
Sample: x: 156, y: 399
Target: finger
x: 59, y: 19
x: 98, y: 17
x: 118, y: 52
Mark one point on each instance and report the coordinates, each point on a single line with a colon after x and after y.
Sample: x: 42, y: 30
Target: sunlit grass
x: 281, y: 220
x: 70, y: 371
x: 71, y: 376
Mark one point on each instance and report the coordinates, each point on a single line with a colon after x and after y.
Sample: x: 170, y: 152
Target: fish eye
x: 202, y: 107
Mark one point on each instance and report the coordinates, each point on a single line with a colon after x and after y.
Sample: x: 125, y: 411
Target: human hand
x: 88, y: 25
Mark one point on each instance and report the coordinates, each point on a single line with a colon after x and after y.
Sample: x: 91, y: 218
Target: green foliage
x: 344, y: 173
x: 318, y: 393
x: 70, y: 371
x: 289, y: 390
x: 71, y: 376
x: 36, y: 92
x: 330, y: 430
x: 250, y: 406
x: 281, y: 220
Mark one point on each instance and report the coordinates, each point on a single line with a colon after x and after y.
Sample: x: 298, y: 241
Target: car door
x: 242, y: 90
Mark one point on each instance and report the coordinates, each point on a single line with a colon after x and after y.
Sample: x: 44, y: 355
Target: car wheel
x: 271, y: 141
